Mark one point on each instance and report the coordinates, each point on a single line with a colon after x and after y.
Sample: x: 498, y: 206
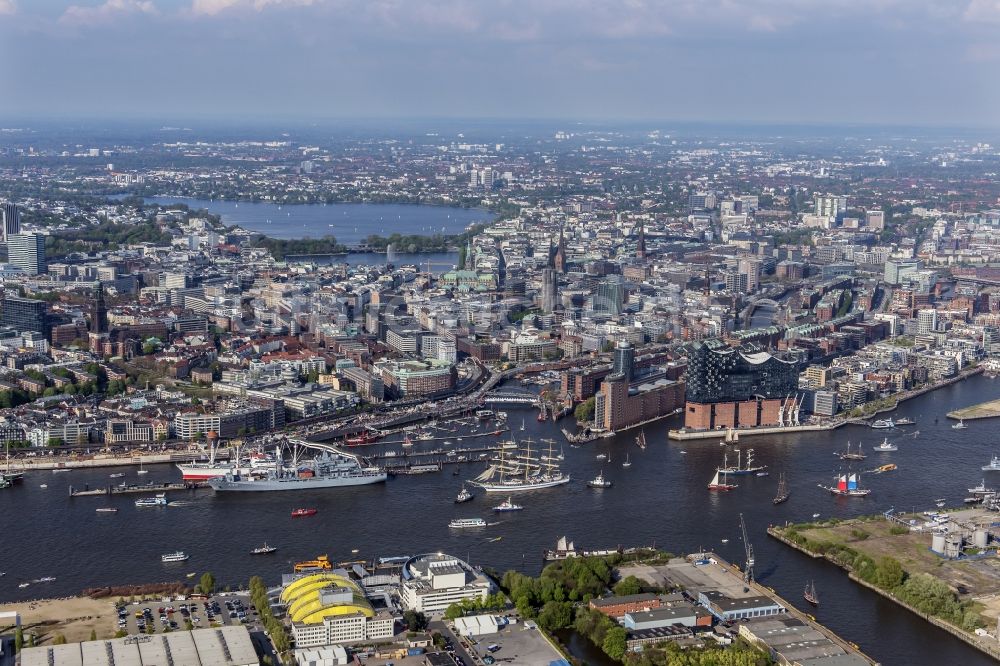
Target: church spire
x: 559, y: 260
x: 640, y: 250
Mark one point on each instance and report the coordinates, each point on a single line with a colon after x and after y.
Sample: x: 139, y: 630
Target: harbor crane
x: 748, y: 567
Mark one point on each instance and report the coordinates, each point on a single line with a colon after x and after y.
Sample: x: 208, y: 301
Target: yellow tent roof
x: 303, y: 599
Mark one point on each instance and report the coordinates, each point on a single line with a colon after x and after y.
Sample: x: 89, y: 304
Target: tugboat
x: 263, y: 550
x: 463, y: 495
x: 507, y: 505
x: 960, y: 425
x: 599, y: 481
x: 885, y: 446
x: 810, y: 594
x: 300, y: 513
x: 783, y: 493
x: 994, y: 465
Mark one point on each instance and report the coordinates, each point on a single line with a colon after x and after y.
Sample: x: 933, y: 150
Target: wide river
x: 350, y: 223
x: 661, y: 499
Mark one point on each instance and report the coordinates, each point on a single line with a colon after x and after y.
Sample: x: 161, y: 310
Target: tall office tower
x: 751, y: 268
x: 875, y: 220
x: 11, y: 219
x: 624, y: 363
x: 25, y: 314
x: 27, y: 252
x: 99, y: 318
x: 550, y: 290
x: 609, y: 296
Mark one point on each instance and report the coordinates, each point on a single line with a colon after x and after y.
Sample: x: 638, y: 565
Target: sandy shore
x: 73, y: 617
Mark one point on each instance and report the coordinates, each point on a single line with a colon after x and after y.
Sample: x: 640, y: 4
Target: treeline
x: 282, y: 247
x: 924, y: 592
x: 104, y: 236
x: 275, y: 627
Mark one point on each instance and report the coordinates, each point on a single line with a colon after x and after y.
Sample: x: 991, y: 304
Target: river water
x: 660, y: 500
x: 350, y: 223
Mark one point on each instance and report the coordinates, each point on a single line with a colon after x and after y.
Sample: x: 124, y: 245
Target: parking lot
x: 158, y: 616
x: 518, y: 643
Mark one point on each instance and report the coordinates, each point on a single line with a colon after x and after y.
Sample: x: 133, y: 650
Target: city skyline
x: 928, y: 63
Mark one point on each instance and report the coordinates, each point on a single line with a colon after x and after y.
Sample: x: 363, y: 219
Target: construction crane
x: 748, y: 567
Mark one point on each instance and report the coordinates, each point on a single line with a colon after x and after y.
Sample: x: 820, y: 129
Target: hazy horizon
x: 884, y: 63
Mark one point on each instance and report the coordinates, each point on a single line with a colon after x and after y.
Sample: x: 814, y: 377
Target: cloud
x: 213, y: 7
x: 980, y: 11
x: 7, y: 7
x: 108, y: 11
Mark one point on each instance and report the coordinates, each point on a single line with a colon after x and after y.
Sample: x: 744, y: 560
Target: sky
x: 885, y: 62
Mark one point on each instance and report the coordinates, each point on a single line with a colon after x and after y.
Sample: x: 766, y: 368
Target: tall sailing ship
x: 517, y: 469
x: 847, y: 486
x: 744, y: 467
x: 641, y: 440
x: 783, y: 493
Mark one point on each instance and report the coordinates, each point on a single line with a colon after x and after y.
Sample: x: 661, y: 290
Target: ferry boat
x: 885, y: 446
x: 107, y: 509
x: 742, y: 469
x: 599, y: 482
x: 905, y: 421
x: 847, y: 486
x: 994, y: 465
x: 484, y: 414
x: 507, y: 505
x: 462, y: 523
x: 179, y: 556
x: 783, y: 493
x: 883, y: 424
x: 301, y: 513
x: 519, y: 470
x: 463, y: 496
x: 263, y: 550
x: 119, y: 475
x: 852, y: 455
x: 158, y: 500
x: 960, y: 425
x: 326, y: 470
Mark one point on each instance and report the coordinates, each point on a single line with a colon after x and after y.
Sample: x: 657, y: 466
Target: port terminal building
x: 435, y: 581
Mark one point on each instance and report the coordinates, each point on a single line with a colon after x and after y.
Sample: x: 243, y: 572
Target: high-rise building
x: 609, y: 296
x: 550, y: 290
x: 27, y: 252
x: 99, y: 318
x: 875, y: 220
x: 829, y: 205
x: 10, y: 217
x: 926, y: 321
x: 25, y: 314
x: 751, y: 268
x: 897, y: 269
x: 729, y: 388
x: 624, y: 364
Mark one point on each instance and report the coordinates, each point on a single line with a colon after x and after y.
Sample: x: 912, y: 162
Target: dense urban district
x: 746, y: 283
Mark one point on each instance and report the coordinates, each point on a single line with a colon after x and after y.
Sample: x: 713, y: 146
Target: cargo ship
x: 329, y: 469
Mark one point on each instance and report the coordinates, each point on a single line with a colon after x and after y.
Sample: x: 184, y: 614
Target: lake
x: 350, y: 223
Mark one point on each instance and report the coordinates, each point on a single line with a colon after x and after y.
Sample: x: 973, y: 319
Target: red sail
x: 842, y: 483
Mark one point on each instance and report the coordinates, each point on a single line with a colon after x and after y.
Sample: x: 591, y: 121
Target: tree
x: 555, y: 615
x: 207, y: 583
x: 18, y: 639
x: 454, y: 611
x: 59, y: 639
x: 93, y: 634
x: 627, y: 586
x: 889, y: 573
x: 615, y: 643
x: 414, y: 620
x: 585, y: 410
x: 121, y: 633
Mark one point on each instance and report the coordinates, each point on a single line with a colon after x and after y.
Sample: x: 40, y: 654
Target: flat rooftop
x: 223, y: 646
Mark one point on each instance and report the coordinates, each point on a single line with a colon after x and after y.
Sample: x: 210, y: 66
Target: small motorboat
x: 301, y: 513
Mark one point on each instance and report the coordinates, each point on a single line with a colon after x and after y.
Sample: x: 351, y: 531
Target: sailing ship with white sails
x: 517, y: 469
